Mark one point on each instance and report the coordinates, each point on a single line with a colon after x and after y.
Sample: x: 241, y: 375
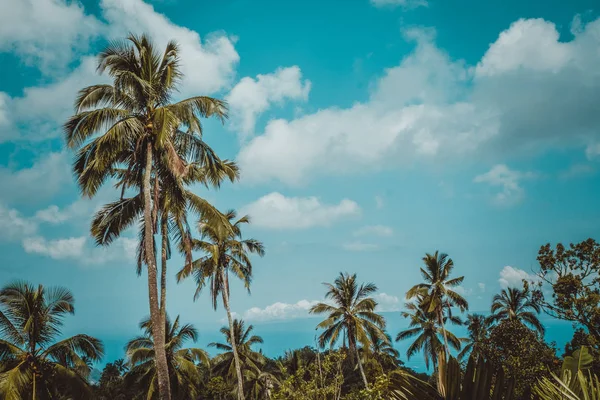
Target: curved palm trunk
x: 158, y: 328
x: 354, y: 347
x: 236, y: 357
x: 443, y: 356
x: 441, y: 319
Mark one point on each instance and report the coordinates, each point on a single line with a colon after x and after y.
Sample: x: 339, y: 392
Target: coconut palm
x: 513, y: 304
x: 184, y: 373
x: 35, y: 365
x: 237, y: 348
x: 424, y: 325
x: 352, y: 314
x: 478, y: 327
x: 131, y: 131
x: 225, y: 252
x: 384, y: 353
x: 437, y: 290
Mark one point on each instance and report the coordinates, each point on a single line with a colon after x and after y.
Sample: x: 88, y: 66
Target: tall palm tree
x: 437, y: 290
x: 478, y: 327
x: 35, y: 365
x: 183, y: 371
x: 513, y: 304
x: 131, y: 131
x: 352, y: 314
x: 425, y: 326
x: 225, y: 252
x: 237, y: 351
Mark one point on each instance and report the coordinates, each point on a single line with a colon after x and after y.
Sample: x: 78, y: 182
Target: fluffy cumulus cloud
x: 58, y: 249
x: 80, y: 250
x: 280, y: 311
x: 14, y: 225
x: 276, y: 211
x: 463, y: 291
x: 507, y: 180
x: 46, y: 32
x: 387, y: 302
x: 431, y: 108
x: 513, y: 277
x: 374, y: 230
x: 252, y: 97
x: 208, y: 64
x: 401, y: 3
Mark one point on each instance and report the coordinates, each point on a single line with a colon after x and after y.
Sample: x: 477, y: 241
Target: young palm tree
x: 352, y: 314
x: 226, y: 252
x: 516, y: 305
x: 478, y: 327
x: 131, y: 131
x: 237, y: 351
x: 183, y: 370
x: 425, y: 326
x: 35, y: 366
x: 437, y: 290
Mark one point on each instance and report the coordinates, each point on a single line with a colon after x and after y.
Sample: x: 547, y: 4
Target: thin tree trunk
x: 354, y: 347
x: 445, y: 355
x: 34, y: 388
x: 163, y: 271
x: 236, y: 357
x: 158, y: 328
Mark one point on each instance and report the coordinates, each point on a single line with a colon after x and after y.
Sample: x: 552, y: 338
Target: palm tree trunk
x: 236, y: 357
x: 158, y: 328
x: 163, y: 271
x: 446, y: 347
x: 354, y: 347
x: 34, y: 388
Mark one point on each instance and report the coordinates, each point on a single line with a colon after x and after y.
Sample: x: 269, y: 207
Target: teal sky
x: 368, y: 132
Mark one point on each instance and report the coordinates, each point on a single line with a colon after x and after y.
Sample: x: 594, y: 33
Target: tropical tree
x: 353, y: 314
x: 131, y: 131
x: 384, y: 353
x: 514, y: 304
x: 425, y: 327
x: 35, y: 365
x: 225, y: 252
x: 183, y: 362
x: 478, y: 327
x: 243, y: 357
x: 437, y: 290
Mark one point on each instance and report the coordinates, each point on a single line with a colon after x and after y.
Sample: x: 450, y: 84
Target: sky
x: 368, y: 133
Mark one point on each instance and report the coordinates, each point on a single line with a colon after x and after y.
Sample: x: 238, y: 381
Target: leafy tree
x: 353, y: 315
x: 436, y: 290
x: 384, y: 353
x: 580, y: 339
x: 478, y: 327
x: 131, y: 131
x: 521, y: 353
x: 35, y: 366
x: 573, y: 273
x: 424, y: 325
x: 111, y: 385
x: 243, y: 340
x: 182, y: 362
x: 513, y: 304
x: 226, y: 252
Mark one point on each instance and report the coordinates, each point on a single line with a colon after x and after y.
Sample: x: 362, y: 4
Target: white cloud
x: 463, y: 291
x: 276, y: 211
x: 386, y: 302
x: 14, y: 225
x: 46, y: 33
x: 374, y: 230
x: 402, y: 3
x: 58, y: 249
x: 431, y: 108
x: 379, y: 203
x: 208, y: 65
x: 252, y: 97
x: 513, y: 277
x: 45, y: 178
x: 481, y: 286
x: 360, y: 246
x: 508, y: 180
x: 280, y: 311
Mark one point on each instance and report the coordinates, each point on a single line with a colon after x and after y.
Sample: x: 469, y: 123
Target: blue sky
x: 368, y: 134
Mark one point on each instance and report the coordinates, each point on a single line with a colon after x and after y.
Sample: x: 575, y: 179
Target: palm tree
x: 131, y: 131
x: 437, y: 290
x: 352, y: 314
x: 513, y: 304
x: 35, y: 365
x: 237, y: 351
x: 478, y: 327
x: 182, y: 362
x: 424, y: 325
x: 384, y: 353
x: 226, y: 252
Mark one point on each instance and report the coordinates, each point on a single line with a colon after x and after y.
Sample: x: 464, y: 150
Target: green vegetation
x: 132, y: 135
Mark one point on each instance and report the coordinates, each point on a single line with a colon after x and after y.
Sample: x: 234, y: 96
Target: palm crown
x: 516, y: 305
x: 34, y: 363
